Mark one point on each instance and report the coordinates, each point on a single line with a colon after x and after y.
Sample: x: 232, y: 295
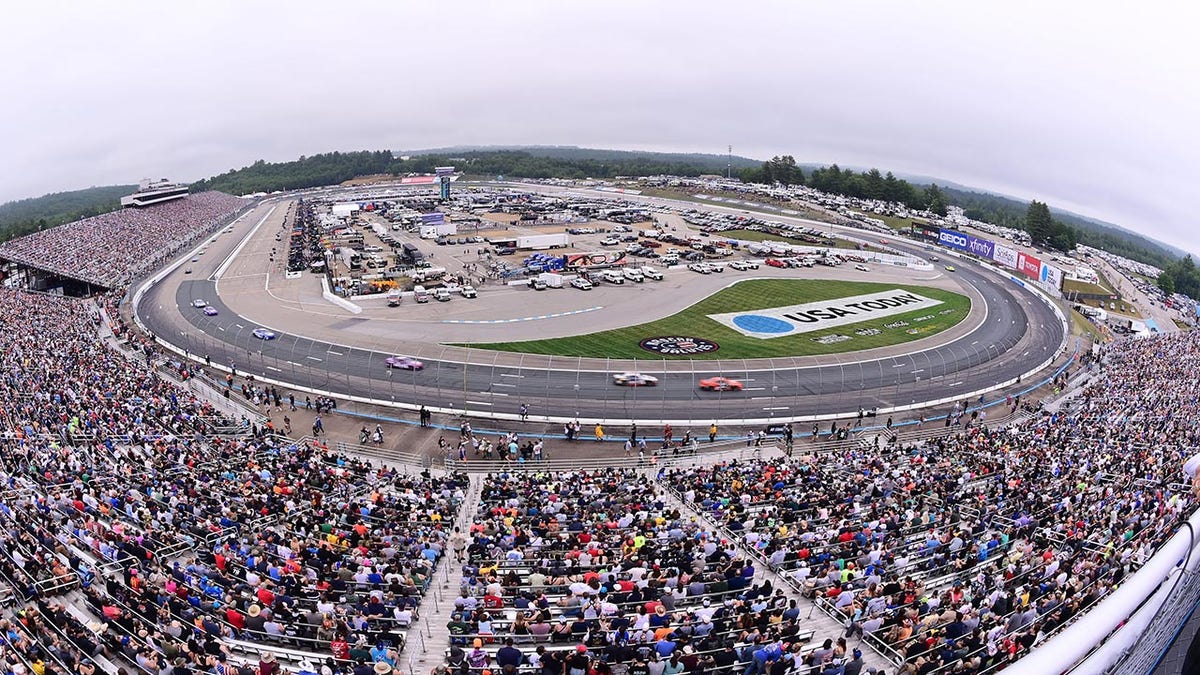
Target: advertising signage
x: 1029, y: 266
x: 433, y: 218
x: 1051, y: 276
x: 980, y: 247
x: 1005, y: 255
x: 953, y: 239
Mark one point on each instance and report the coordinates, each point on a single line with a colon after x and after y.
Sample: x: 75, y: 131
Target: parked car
x: 702, y: 268
x: 744, y: 265
x: 468, y: 292
x: 404, y: 363
x: 609, y: 241
x: 538, y: 285
x: 264, y: 334
x: 651, y: 273
x: 862, y: 268
x: 442, y: 295
x: 775, y: 262
x: 634, y: 380
x: 721, y: 384
x: 581, y: 283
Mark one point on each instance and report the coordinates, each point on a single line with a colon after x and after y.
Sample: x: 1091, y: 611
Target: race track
x: 1020, y: 331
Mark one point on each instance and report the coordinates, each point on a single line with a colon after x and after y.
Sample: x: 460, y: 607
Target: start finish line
x: 794, y: 319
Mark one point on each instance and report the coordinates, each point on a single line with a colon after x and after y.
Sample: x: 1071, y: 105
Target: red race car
x: 721, y: 384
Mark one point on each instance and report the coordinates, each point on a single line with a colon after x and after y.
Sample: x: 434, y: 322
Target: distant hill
x: 715, y: 162
x: 18, y: 218
x: 1010, y: 212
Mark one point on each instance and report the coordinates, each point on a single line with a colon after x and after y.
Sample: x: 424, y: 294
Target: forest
x: 23, y: 216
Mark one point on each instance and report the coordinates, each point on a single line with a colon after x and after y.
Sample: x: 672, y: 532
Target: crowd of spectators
x: 965, y: 552
x: 112, y: 248
x: 591, y: 571
x: 183, y: 541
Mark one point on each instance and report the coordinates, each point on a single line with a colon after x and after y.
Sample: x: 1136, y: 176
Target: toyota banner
x: 1029, y: 266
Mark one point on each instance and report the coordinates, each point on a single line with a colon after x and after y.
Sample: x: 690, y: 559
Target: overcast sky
x: 1089, y: 106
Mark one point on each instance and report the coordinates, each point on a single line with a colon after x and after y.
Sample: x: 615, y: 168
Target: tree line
x: 336, y: 167
x: 1180, y: 276
x: 21, y: 217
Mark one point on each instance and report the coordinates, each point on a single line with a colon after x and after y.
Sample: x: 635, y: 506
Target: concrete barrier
x: 334, y: 299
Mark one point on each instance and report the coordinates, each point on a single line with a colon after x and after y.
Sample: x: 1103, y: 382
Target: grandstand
x: 111, y: 249
x: 148, y: 531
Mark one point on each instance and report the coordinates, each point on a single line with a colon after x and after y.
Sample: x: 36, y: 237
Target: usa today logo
x: 795, y: 319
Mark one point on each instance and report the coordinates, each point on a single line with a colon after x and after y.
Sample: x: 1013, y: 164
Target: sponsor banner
x: 813, y: 316
x: 980, y: 247
x: 953, y: 239
x: 443, y: 170
x: 1051, y: 276
x: 678, y: 345
x: 433, y: 218
x: 1029, y: 265
x: 1005, y: 255
x: 578, y: 260
x: 417, y: 180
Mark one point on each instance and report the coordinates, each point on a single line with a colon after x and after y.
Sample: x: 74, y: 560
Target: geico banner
x: 794, y: 319
x: 952, y: 239
x: 1029, y: 266
x: 1051, y: 276
x: 980, y: 247
x: 1005, y: 256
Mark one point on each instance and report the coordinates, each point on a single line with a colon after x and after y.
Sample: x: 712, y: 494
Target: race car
x: 634, y: 380
x: 199, y: 304
x: 210, y: 310
x: 404, y: 363
x: 264, y: 334
x: 950, y: 268
x: 721, y: 384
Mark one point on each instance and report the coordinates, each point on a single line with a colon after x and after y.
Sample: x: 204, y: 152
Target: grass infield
x: 753, y: 294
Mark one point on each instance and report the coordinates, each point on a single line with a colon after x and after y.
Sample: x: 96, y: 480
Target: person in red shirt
x: 235, y: 618
x: 339, y: 647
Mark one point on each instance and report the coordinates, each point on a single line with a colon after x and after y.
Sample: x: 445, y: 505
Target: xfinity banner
x: 980, y: 247
x: 813, y: 316
x: 1029, y: 266
x: 1005, y: 256
x: 952, y: 239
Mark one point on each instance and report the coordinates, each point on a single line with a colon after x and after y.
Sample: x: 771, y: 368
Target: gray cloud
x: 1086, y: 105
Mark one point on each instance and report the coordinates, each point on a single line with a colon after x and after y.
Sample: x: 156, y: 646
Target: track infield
x: 761, y: 294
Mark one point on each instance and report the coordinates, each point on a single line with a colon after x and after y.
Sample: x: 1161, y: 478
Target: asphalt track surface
x: 983, y: 358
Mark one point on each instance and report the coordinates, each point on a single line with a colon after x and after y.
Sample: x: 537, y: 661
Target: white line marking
x: 220, y: 327
x: 503, y: 384
x: 274, y: 369
x: 478, y: 402
x: 761, y: 398
x: 495, y: 393
x: 918, y: 371
x: 955, y: 384
x: 293, y: 363
x: 754, y: 388
x: 898, y: 365
x: 239, y: 325
x: 510, y: 375
x: 314, y: 358
x: 779, y: 408
x: 330, y: 351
